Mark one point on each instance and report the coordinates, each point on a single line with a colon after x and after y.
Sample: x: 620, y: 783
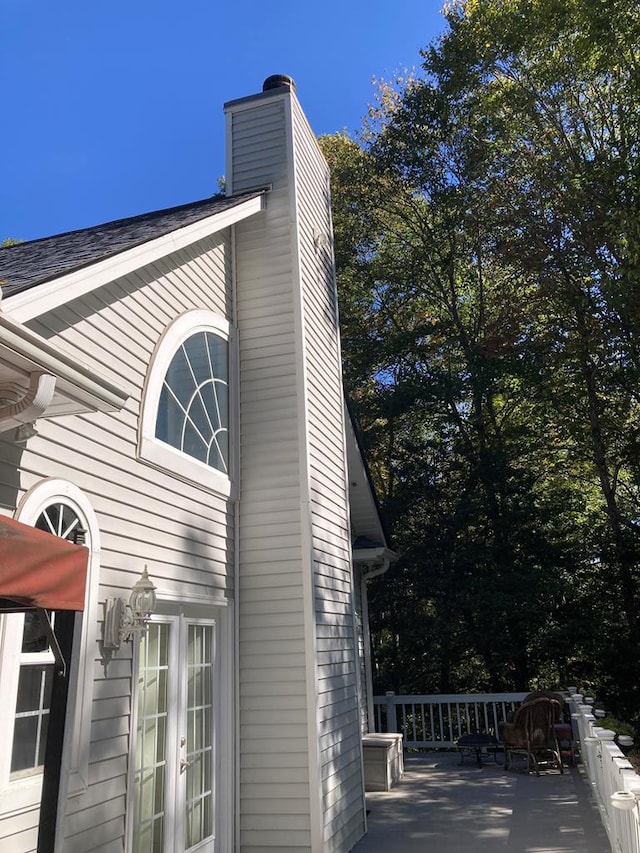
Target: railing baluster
x: 494, y: 709
x: 432, y: 721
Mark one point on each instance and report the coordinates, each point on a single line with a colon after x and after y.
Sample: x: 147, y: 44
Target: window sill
x: 177, y: 464
x: 21, y: 795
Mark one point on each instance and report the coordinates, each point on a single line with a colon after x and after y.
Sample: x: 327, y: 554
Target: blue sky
x: 113, y: 109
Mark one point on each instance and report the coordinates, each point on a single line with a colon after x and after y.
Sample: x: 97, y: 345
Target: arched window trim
x: 163, y: 456
x: 26, y: 792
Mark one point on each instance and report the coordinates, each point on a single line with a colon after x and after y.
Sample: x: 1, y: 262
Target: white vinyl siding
x: 300, y: 747
x: 337, y: 660
x: 184, y: 533
x: 274, y: 700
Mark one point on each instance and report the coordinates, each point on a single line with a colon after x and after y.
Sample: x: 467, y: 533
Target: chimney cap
x: 278, y: 81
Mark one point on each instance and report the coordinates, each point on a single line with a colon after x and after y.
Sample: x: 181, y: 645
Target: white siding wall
x: 337, y: 668
x: 185, y: 534
x: 300, y: 768
x: 275, y: 808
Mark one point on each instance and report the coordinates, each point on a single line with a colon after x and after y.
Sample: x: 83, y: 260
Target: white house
x: 170, y: 384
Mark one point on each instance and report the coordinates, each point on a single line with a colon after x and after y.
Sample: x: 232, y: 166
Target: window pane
x: 170, y: 419
x: 50, y: 519
x: 222, y: 396
x: 151, y: 735
x: 193, y: 444
x: 58, y: 519
x: 219, y: 355
x: 25, y: 736
x: 198, y: 357
x: 208, y: 394
x: 179, y: 378
x: 218, y: 451
x: 34, y: 636
x: 199, y: 810
x: 42, y: 738
x: 34, y: 687
x: 199, y: 418
x: 32, y: 715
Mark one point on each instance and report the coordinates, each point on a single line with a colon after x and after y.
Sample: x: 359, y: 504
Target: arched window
x: 60, y: 508
x: 188, y: 409
x: 193, y: 411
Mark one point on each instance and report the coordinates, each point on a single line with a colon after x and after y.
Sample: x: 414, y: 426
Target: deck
x: 443, y: 807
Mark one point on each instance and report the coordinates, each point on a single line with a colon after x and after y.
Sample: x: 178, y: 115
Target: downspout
x: 235, y: 842
x: 374, y: 570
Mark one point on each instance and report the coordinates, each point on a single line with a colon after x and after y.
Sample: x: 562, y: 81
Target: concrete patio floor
x: 443, y: 807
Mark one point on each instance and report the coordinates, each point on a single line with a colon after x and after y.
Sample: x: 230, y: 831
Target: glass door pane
x: 32, y: 718
x: 149, y: 780
x: 199, y: 738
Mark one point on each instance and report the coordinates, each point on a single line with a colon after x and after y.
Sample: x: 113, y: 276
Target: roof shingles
x: 27, y: 264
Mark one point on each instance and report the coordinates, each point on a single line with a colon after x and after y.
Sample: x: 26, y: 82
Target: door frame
x: 225, y: 724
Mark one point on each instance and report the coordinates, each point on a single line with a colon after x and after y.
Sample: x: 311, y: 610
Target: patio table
x: 477, y: 743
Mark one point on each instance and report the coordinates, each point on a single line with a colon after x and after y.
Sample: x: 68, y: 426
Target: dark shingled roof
x: 27, y: 264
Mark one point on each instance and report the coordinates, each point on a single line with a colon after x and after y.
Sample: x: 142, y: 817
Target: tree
x: 490, y: 305
x: 432, y: 360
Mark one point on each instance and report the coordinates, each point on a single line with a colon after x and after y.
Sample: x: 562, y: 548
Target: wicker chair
x: 532, y: 734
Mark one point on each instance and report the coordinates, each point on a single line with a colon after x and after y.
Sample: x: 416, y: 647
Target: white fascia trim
x: 49, y: 295
x: 85, y: 386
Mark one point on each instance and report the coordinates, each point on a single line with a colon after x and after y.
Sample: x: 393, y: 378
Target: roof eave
x: 48, y: 295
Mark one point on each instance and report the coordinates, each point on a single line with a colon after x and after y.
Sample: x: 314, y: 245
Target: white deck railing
x: 430, y: 722
x: 609, y: 773
x: 437, y: 721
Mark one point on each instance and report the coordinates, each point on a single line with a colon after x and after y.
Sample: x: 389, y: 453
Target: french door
x: 174, y: 759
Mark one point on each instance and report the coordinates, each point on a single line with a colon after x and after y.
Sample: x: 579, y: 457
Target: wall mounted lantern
x: 122, y: 622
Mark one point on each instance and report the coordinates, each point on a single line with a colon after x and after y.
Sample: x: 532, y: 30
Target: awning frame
x: 61, y: 666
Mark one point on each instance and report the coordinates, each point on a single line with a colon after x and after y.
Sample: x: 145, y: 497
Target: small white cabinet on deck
x: 383, y: 760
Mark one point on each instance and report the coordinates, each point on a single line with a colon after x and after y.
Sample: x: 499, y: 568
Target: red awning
x: 38, y: 569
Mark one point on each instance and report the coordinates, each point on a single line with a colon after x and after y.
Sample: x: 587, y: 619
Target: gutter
x: 75, y: 381
x: 374, y: 561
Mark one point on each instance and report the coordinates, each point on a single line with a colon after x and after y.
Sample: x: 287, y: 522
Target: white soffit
x: 365, y: 518
x: 44, y: 297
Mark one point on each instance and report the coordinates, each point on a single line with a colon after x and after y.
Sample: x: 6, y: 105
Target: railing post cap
x: 605, y: 734
x: 623, y: 799
x: 390, y: 693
